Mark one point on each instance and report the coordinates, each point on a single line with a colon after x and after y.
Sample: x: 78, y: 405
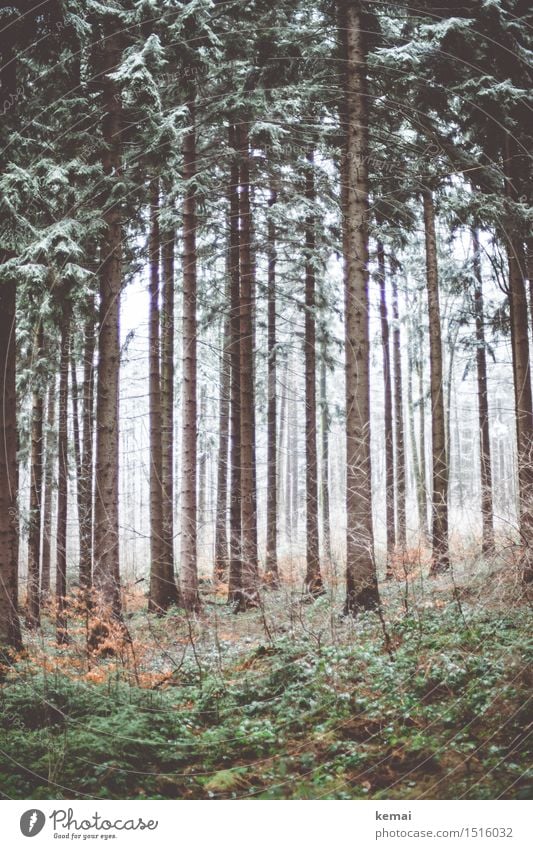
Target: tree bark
x: 86, y: 493
x: 235, y: 595
x: 221, y: 517
x: 485, y: 460
x: 157, y: 600
x: 361, y: 579
x: 10, y: 636
x: 189, y: 569
x: 313, y: 577
x: 36, y: 479
x: 62, y: 485
x: 387, y: 410
x: 167, y: 417
x: 293, y: 473
x: 521, y: 364
x: 398, y: 416
x: 324, y: 476
x: 51, y: 456
x: 271, y: 567
x: 422, y: 489
x: 106, y: 575
x: 202, y: 470
x: 248, y: 493
x: 439, y: 501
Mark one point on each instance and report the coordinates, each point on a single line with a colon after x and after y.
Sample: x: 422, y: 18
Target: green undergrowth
x: 446, y: 717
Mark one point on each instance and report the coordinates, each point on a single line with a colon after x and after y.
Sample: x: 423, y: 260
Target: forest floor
x: 289, y: 701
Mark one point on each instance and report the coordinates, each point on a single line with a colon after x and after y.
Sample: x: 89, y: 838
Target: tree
x: 313, y: 577
x: 36, y: 478
x: 361, y: 580
x: 9, y: 622
x: 439, y: 499
x: 387, y: 418
x: 271, y: 566
x: 398, y: 415
x: 235, y: 568
x: 167, y: 415
x: 485, y: 464
x: 157, y: 601
x: 62, y: 449
x: 247, y: 410
x: 106, y: 574
x: 189, y: 573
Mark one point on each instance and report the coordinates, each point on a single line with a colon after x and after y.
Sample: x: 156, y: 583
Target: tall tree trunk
x: 202, y: 470
x: 36, y: 478
x: 283, y: 441
x: 157, y: 600
x: 293, y: 472
x: 398, y: 415
x: 76, y: 437
x: 10, y: 634
x: 423, y: 482
x: 9, y: 622
x: 417, y: 472
x: 189, y: 569
x: 271, y: 570
x: 106, y: 575
x: 221, y: 516
x: 485, y: 461
x: 62, y: 486
x: 86, y: 478
x: 51, y: 453
x: 387, y: 396
x: 361, y: 579
x: 324, y: 476
x: 248, y: 494
x: 439, y: 501
x: 313, y: 577
x: 521, y: 364
x: 167, y: 417
x: 235, y: 595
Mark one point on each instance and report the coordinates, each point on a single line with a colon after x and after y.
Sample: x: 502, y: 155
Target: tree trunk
x: 86, y: 478
x: 423, y: 483
x: 9, y: 622
x: 324, y: 477
x: 521, y: 365
x: 221, y: 518
x: 189, y: 569
x: 485, y: 461
x: 313, y: 577
x: 106, y: 575
x: 248, y: 494
x: 51, y: 453
x: 157, y: 600
x: 62, y: 485
x: 419, y: 487
x: 36, y: 478
x: 361, y: 579
x: 271, y: 569
x: 235, y: 595
x: 283, y: 441
x: 202, y: 470
x: 398, y: 415
x: 439, y: 501
x: 387, y: 396
x: 523, y: 400
x: 167, y: 418
x: 293, y: 473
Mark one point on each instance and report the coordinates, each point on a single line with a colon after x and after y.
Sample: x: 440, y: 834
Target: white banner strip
x: 263, y: 825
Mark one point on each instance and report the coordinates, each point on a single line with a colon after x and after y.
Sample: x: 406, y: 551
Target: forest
x: 266, y: 420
